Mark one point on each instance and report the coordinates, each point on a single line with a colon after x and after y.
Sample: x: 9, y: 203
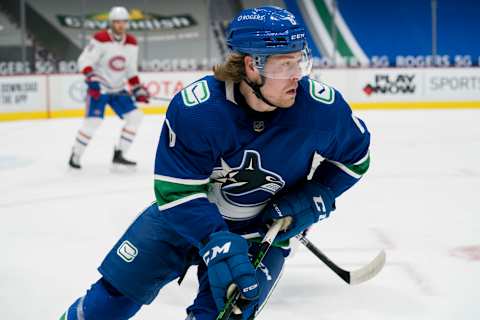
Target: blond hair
x: 232, y: 70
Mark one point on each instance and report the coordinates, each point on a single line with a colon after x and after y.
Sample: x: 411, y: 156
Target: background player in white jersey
x: 108, y: 62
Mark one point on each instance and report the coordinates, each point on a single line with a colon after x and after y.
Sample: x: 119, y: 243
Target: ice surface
x: 419, y: 201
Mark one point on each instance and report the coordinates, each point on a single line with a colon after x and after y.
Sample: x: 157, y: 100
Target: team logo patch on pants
x: 127, y: 251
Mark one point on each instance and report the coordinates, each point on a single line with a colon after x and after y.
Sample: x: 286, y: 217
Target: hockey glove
x: 306, y: 205
x: 93, y: 87
x: 141, y: 94
x: 226, y: 257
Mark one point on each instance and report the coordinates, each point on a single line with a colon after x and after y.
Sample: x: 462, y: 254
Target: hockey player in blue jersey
x: 256, y: 142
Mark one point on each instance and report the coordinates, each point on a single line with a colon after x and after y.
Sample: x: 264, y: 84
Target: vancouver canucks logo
x: 249, y: 184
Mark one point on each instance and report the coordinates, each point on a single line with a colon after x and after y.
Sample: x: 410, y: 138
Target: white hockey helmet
x: 118, y: 13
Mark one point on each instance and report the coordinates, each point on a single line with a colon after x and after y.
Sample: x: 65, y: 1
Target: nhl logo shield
x: 258, y: 126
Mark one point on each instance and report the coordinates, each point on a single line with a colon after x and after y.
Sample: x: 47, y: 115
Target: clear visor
x: 293, y: 65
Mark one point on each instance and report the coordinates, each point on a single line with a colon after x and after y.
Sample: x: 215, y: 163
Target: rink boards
x: 63, y: 95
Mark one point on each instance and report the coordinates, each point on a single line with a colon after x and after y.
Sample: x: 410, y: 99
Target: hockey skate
x: 74, y: 161
x: 120, y: 161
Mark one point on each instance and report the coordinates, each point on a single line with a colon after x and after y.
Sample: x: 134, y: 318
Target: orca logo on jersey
x: 117, y: 63
x: 249, y: 184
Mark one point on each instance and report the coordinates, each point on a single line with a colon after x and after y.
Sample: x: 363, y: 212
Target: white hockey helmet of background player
x: 118, y: 13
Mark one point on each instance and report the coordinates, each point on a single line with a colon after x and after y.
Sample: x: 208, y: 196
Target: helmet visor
x: 293, y: 65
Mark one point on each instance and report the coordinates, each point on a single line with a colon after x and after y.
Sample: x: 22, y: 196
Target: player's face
x: 282, y: 73
x: 279, y: 92
x: 119, y: 26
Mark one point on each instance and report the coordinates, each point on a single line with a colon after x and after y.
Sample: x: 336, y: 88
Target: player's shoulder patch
x: 130, y: 39
x: 321, y: 92
x: 102, y: 36
x: 196, y: 93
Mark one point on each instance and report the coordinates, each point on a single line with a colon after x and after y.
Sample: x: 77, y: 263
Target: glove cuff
x: 134, y: 81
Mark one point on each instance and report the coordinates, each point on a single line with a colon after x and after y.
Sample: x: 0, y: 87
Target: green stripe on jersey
x: 360, y: 168
x: 357, y: 169
x: 167, y: 192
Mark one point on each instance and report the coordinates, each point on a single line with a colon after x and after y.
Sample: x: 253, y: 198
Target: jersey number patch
x: 321, y: 92
x: 196, y: 93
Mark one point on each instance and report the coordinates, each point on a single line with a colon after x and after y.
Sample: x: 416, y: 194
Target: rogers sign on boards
x: 387, y: 84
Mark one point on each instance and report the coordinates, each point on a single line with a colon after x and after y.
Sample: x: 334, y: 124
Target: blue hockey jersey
x: 219, y: 162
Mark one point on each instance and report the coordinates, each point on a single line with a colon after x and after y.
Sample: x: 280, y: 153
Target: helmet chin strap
x: 256, y: 90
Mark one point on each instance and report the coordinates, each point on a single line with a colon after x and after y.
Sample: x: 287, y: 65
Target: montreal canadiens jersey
x: 219, y: 162
x: 112, y: 62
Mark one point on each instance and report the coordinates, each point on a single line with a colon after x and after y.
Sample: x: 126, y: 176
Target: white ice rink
x: 419, y: 201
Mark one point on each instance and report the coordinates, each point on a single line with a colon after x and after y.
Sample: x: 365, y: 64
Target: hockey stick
x: 363, y: 274
x: 103, y: 82
x: 267, y: 241
x: 160, y: 99
x: 150, y: 97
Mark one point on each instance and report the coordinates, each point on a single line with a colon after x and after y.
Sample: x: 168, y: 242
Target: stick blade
x: 369, y: 271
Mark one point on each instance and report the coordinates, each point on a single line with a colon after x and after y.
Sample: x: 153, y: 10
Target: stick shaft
x: 265, y: 245
x: 345, y: 275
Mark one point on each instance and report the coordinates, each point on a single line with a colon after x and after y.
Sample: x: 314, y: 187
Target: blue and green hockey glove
x: 226, y: 257
x: 306, y: 204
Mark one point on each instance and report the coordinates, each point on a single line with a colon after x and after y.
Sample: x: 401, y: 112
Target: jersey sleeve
x: 90, y: 56
x: 132, y: 67
x: 348, y: 157
x: 184, y: 162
